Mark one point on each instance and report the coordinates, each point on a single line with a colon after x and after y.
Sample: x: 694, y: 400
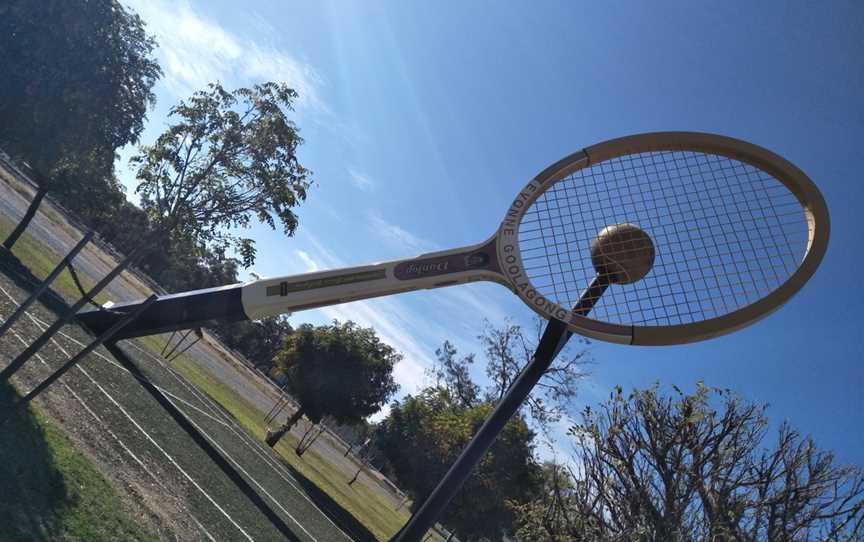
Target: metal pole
x: 168, y: 343
x: 555, y: 336
x: 79, y: 356
x: 176, y: 346
x: 19, y: 312
x: 22, y: 358
x: 186, y: 348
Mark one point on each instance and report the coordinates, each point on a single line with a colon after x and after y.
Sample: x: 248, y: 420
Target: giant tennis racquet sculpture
x: 689, y: 235
x: 652, y: 239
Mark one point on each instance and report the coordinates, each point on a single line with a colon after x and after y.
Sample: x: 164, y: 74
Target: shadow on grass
x: 34, y: 494
x: 334, y: 511
x: 23, y: 278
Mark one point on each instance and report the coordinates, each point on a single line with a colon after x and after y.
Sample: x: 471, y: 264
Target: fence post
x: 45, y: 284
x: 110, y: 332
x: 22, y: 358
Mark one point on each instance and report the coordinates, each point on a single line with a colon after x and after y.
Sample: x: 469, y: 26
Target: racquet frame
x: 498, y: 260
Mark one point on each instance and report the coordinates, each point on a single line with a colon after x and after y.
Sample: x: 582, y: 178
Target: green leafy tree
x: 76, y: 85
x: 422, y: 436
x: 229, y: 158
x: 259, y: 341
x: 696, y: 467
x: 342, y: 371
x: 178, y: 264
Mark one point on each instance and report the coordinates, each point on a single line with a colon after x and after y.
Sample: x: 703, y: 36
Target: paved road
x: 53, y: 230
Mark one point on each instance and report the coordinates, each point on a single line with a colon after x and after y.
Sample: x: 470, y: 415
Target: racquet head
x: 696, y: 235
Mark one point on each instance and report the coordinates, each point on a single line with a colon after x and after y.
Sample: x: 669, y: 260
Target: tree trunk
x: 28, y: 216
x: 306, y: 441
x: 274, y: 436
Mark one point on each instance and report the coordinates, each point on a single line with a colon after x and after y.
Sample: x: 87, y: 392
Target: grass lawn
x: 50, y: 491
x: 41, y: 262
x: 367, y: 506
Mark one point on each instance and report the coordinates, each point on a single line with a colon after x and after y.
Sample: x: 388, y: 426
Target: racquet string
x: 725, y: 235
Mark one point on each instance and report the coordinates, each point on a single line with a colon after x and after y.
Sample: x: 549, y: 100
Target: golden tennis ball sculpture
x: 623, y: 253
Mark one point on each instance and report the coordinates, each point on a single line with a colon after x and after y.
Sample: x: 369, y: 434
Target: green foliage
x: 453, y: 374
x: 423, y: 435
x: 342, y: 370
x: 77, y: 80
x: 230, y: 157
x: 553, y: 516
x: 260, y: 341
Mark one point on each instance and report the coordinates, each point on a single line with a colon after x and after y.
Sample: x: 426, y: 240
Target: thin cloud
x: 398, y: 237
x: 311, y: 265
x: 360, y: 180
x: 466, y: 299
x: 323, y: 254
x: 195, y: 51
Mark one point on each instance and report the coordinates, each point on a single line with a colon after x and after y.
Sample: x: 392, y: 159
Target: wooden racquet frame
x: 498, y: 259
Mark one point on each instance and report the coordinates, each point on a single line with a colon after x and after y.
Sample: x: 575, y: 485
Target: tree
x: 553, y: 516
x: 229, y: 158
x: 422, y: 436
x: 698, y: 467
x: 508, y: 350
x: 342, y: 370
x: 259, y: 341
x: 453, y: 374
x: 77, y: 82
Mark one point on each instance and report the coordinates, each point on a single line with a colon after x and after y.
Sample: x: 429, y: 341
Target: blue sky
x: 421, y: 120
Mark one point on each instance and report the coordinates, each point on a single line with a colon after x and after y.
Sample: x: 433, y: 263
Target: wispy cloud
x: 398, y: 237
x: 465, y: 299
x: 311, y: 265
x: 360, y: 180
x: 194, y: 51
